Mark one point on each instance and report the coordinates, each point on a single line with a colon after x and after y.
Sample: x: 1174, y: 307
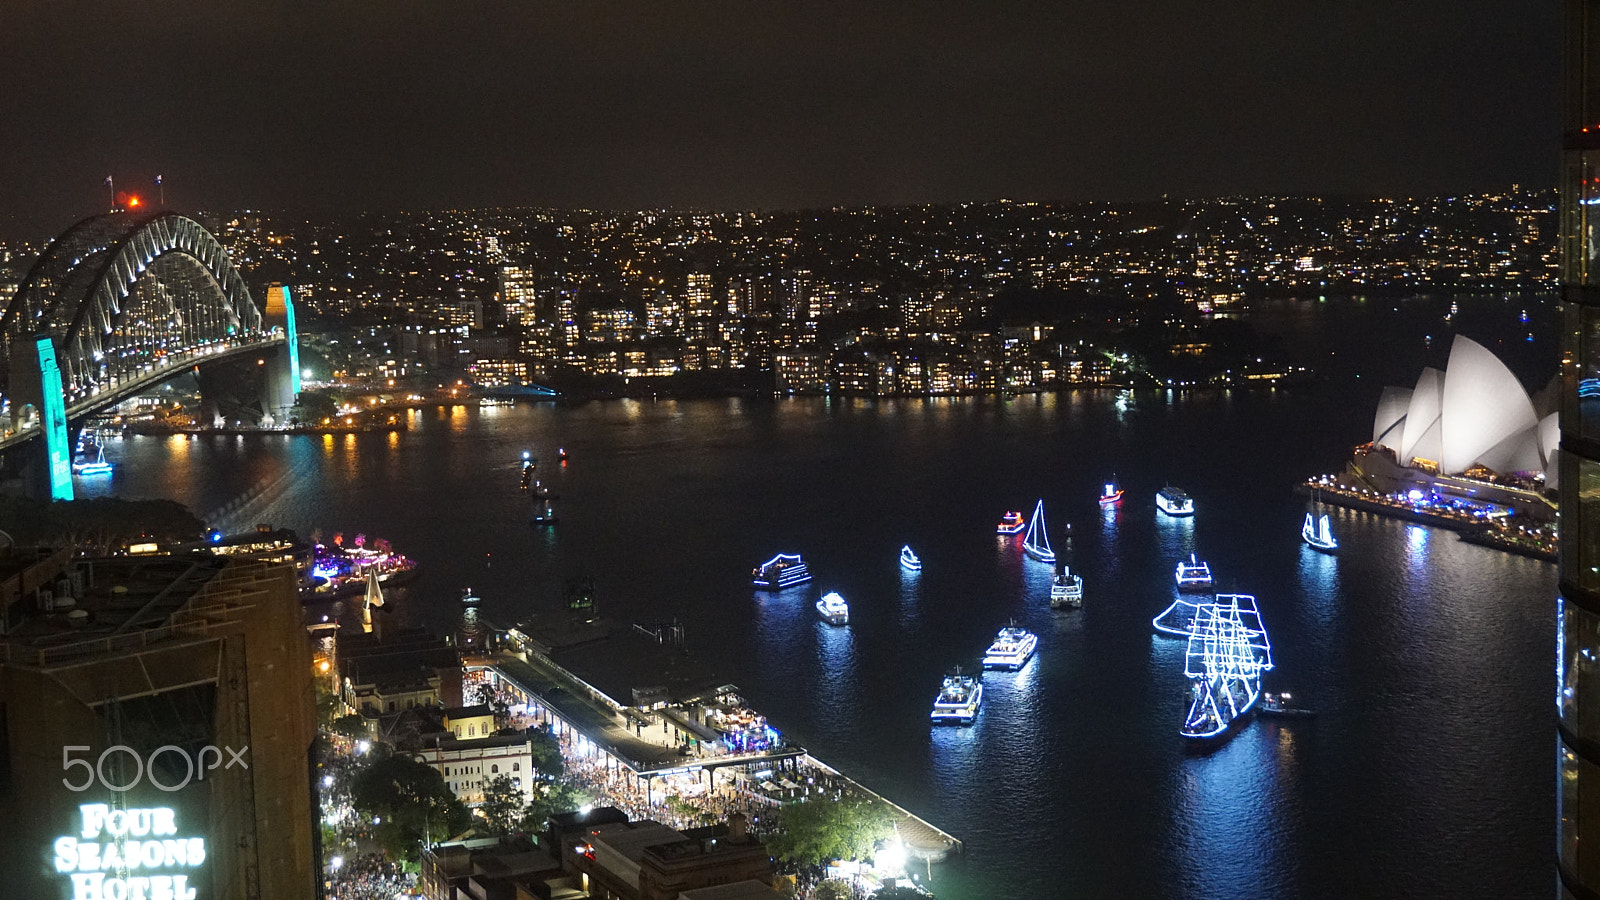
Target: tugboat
x: 781, y: 571
x: 958, y: 700
x: 1281, y: 705
x: 1011, y: 523
x: 833, y: 609
x: 909, y: 560
x: 1066, y: 589
x: 1111, y: 493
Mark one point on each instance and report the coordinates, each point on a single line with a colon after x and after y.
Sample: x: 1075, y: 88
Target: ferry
x: 909, y: 560
x: 1066, y: 590
x: 781, y: 571
x: 1011, y: 523
x: 1319, y: 534
x: 958, y: 700
x: 833, y: 609
x: 1281, y: 705
x: 1037, y: 541
x: 1174, y: 502
x: 1111, y: 493
x: 1011, y: 650
x: 1193, y: 575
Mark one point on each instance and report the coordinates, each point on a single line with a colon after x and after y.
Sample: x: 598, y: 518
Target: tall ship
x: 1011, y: 523
x: 833, y: 609
x: 1111, y: 493
x: 1036, y: 543
x: 1193, y: 576
x: 1011, y: 650
x: 909, y: 560
x: 958, y: 700
x: 1319, y: 534
x: 1228, y: 650
x: 1174, y: 502
x: 1066, y: 589
x: 781, y: 571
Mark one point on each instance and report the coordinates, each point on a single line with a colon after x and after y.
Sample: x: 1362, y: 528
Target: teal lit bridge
x: 117, y: 304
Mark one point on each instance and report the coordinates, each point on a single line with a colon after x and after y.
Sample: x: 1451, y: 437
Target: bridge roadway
x: 606, y: 724
x: 173, y: 366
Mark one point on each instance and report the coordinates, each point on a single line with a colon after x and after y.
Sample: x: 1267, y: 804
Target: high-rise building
x: 1578, y: 609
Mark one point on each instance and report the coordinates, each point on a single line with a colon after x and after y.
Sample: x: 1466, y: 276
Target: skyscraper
x: 1578, y: 615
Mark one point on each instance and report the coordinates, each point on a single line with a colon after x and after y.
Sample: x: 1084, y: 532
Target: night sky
x: 328, y: 105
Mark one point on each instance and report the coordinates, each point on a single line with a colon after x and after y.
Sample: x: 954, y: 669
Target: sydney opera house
x: 1470, y: 432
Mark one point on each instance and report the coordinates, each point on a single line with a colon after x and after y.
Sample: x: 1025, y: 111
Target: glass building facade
x: 1578, y: 612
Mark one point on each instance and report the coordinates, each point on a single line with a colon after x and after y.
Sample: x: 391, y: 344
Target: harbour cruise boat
x: 1319, y: 534
x: 1111, y: 493
x: 909, y: 560
x: 95, y: 466
x: 1193, y: 575
x: 1011, y: 650
x: 1036, y: 543
x: 833, y: 609
x: 781, y: 571
x: 1228, y: 650
x: 1011, y: 523
x: 958, y: 700
x: 1066, y: 589
x: 1174, y: 502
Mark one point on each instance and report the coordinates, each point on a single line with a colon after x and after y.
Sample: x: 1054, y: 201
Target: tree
x: 833, y: 889
x: 352, y: 725
x: 409, y: 802
x: 813, y: 832
x: 550, y: 798
x: 502, y: 805
x: 546, y: 750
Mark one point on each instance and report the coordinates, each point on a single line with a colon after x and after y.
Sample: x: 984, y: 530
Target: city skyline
x: 627, y: 106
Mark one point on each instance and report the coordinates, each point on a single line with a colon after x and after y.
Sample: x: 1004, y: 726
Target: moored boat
x: 909, y: 560
x: 1066, y: 589
x: 782, y: 571
x: 958, y: 701
x: 1319, y: 534
x: 833, y: 609
x: 1036, y: 543
x: 1011, y: 650
x: 1174, y: 502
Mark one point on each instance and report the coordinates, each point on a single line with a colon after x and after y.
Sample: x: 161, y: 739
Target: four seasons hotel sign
x: 129, y: 854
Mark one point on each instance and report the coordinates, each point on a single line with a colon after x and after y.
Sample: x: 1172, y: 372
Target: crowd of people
x: 370, y: 877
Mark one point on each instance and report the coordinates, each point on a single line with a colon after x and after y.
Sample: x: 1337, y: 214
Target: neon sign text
x: 141, y: 839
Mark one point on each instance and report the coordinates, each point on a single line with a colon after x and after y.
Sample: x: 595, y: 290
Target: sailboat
x: 1036, y: 543
x: 1319, y: 534
x: 1228, y: 651
x: 96, y: 466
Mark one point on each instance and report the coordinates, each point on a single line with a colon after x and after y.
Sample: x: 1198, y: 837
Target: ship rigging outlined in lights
x: 1036, y: 543
x: 1228, y: 650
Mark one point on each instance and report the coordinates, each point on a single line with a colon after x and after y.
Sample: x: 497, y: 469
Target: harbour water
x: 1427, y: 771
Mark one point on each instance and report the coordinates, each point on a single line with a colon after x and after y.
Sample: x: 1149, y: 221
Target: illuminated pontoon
x: 1319, y: 534
x: 1011, y: 523
x: 1193, y: 576
x: 1011, y: 650
x: 958, y: 700
x: 1174, y: 502
x: 1111, y: 493
x: 1066, y: 589
x: 909, y: 560
x: 833, y: 609
x: 1228, y: 651
x: 780, y: 572
x: 1036, y: 543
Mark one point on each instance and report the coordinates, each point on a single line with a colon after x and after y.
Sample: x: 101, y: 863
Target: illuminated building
x: 519, y: 294
x: 1578, y: 608
x: 800, y: 372
x: 127, y: 672
x: 608, y: 326
x: 646, y: 860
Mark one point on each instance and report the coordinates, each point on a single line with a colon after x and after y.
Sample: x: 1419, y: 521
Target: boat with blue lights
x: 1036, y: 543
x: 1011, y: 650
x: 958, y: 700
x: 1174, y: 502
x: 833, y: 609
x: 1066, y: 589
x: 1228, y: 650
x: 1111, y: 493
x: 782, y: 571
x: 909, y: 560
x: 96, y: 466
x: 1319, y: 534
x: 1011, y: 523
x: 1193, y: 576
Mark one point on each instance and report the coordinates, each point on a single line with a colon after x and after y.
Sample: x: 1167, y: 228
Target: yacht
x: 1193, y: 575
x: 1011, y: 650
x: 833, y: 609
x: 1111, y: 493
x: 1066, y: 590
x: 781, y: 571
x: 1319, y: 534
x: 909, y: 560
x: 1174, y: 502
x: 96, y: 466
x: 1011, y: 523
x: 958, y: 700
x: 1036, y: 543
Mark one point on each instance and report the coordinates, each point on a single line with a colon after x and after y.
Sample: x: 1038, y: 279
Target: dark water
x: 1427, y: 773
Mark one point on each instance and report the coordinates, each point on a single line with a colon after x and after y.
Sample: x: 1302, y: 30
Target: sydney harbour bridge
x: 117, y: 304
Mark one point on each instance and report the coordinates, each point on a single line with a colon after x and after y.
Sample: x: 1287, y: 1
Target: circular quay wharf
x: 644, y: 723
